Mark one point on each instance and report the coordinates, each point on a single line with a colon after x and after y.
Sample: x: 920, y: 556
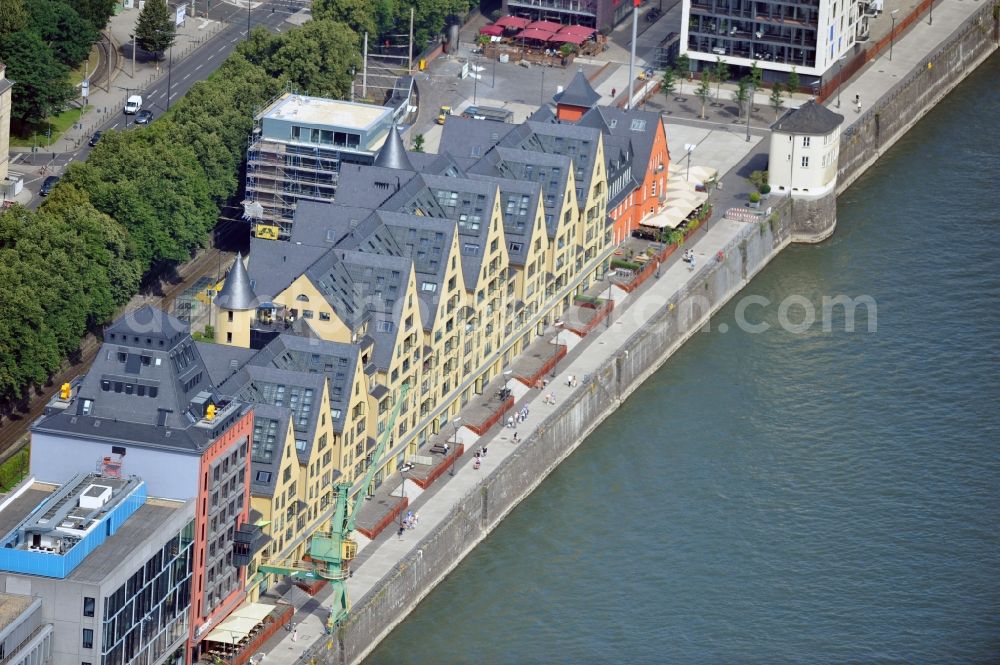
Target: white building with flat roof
x: 809, y: 36
x: 296, y: 149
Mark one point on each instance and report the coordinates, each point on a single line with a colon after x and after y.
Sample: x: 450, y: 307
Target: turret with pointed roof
x: 578, y: 97
x: 237, y: 293
x: 392, y: 154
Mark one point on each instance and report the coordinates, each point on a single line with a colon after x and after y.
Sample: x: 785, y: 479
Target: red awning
x: 547, y: 26
x: 493, y: 30
x: 534, y: 33
x: 584, y: 31
x: 514, y: 22
x: 564, y: 38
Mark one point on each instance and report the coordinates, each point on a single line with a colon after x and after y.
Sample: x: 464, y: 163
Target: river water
x: 820, y: 497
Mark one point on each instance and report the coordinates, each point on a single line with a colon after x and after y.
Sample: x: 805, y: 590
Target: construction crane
x: 331, y: 552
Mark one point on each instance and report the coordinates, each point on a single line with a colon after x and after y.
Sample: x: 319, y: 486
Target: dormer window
x: 302, y: 297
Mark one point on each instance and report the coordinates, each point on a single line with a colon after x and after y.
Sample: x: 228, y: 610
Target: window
x: 429, y: 287
x: 286, y: 475
x: 383, y: 326
x: 307, y: 314
x: 805, y: 141
x: 88, y: 638
x: 805, y: 162
x: 263, y: 476
x: 324, y: 316
x: 88, y: 606
x: 229, y: 336
x: 300, y: 444
x: 516, y: 246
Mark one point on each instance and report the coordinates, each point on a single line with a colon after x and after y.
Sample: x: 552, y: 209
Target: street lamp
x: 451, y: 469
x: 840, y: 82
x: 402, y: 490
x: 892, y: 33
x: 505, y: 393
x: 607, y: 317
x: 689, y: 148
x: 753, y: 89
x: 170, y: 66
x: 132, y: 74
x: 931, y: 17
x: 555, y: 352
x: 249, y: 4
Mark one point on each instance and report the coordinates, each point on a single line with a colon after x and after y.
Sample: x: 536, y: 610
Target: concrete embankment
x: 901, y: 107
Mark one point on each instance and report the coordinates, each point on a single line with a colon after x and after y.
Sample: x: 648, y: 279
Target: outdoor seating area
x: 239, y: 637
x: 522, y: 39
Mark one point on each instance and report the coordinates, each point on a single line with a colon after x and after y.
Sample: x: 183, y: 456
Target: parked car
x: 94, y: 139
x: 144, y: 117
x: 48, y: 185
x: 653, y: 14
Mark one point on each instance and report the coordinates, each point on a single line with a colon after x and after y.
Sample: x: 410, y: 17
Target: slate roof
x: 237, y: 292
x: 333, y: 360
x: 468, y: 138
x: 518, y: 204
x: 577, y: 142
x: 275, y: 265
x: 368, y: 186
x: 267, y: 418
x: 578, y: 93
x: 265, y: 384
x: 148, y: 385
x: 392, y: 154
x: 810, y: 118
x: 550, y: 170
x: 223, y: 360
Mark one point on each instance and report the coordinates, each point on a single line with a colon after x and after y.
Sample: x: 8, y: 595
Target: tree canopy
x: 42, y: 85
x: 155, y: 29
x: 41, y: 41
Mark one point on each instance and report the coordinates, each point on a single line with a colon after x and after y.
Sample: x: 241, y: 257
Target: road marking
x: 186, y: 77
x: 210, y: 57
x: 199, y: 67
x: 221, y: 49
x: 115, y: 126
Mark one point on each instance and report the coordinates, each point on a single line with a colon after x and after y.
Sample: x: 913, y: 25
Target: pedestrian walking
x: 515, y: 437
x: 484, y: 451
x: 295, y: 634
x: 613, y: 91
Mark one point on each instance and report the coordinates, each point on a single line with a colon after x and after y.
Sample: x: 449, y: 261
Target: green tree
x: 668, y: 82
x: 155, y: 29
x: 682, y: 66
x: 418, y: 143
x: 42, y: 86
x: 720, y: 71
x: 776, y: 98
x: 359, y: 15
x: 96, y: 12
x: 741, y: 94
x: 61, y: 27
x: 316, y: 59
x: 704, y: 91
x: 793, y: 82
x: 13, y: 17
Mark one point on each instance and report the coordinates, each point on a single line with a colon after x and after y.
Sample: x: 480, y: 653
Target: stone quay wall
x: 897, y: 111
x: 599, y: 395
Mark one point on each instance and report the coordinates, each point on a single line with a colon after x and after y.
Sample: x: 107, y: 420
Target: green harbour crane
x: 331, y: 552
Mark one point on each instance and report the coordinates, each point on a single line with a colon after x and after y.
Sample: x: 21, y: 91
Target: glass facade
x: 145, y: 616
x: 767, y: 31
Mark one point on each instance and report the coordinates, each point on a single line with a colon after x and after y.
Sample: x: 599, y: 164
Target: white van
x: 133, y: 104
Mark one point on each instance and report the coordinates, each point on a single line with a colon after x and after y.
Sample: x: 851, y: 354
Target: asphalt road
x: 201, y: 62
